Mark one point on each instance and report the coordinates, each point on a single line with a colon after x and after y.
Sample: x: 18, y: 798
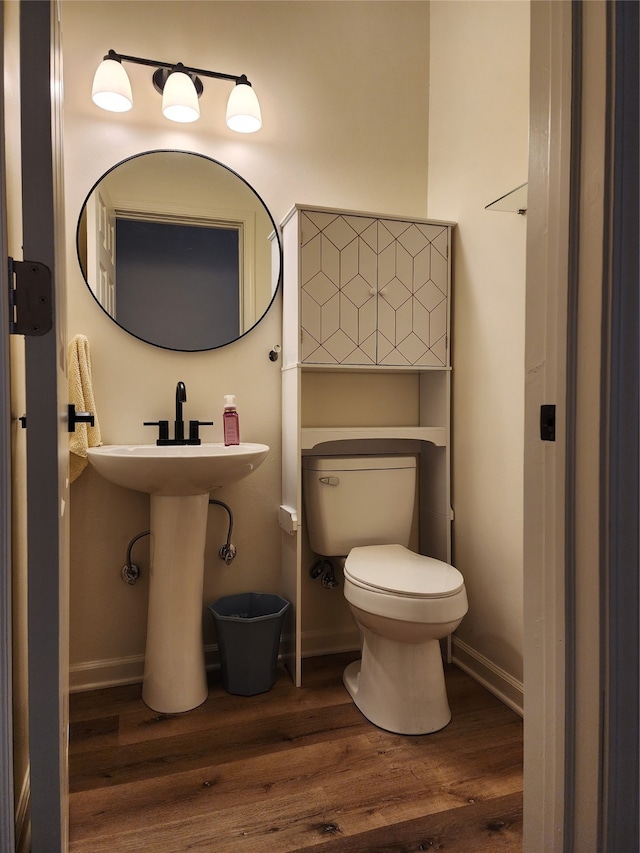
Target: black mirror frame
x: 276, y: 233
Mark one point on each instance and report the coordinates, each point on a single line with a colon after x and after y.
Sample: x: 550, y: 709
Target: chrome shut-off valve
x: 324, y: 569
x: 227, y: 552
x: 328, y: 579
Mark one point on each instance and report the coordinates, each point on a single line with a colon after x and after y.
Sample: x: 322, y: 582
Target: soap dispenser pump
x: 230, y: 424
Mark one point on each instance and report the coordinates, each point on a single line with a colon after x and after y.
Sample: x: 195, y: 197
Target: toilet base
x: 399, y: 686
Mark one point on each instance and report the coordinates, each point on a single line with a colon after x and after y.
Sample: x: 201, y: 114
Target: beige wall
x: 478, y: 150
x: 343, y: 89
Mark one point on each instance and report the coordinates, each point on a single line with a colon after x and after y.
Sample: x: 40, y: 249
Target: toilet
x: 358, y: 511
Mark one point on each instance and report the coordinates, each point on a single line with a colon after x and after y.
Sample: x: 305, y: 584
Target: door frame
x: 47, y: 437
x: 7, y: 796
x: 621, y: 773
x: 581, y: 491
x: 544, y: 462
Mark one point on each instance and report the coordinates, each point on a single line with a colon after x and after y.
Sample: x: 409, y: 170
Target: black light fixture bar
x: 172, y: 66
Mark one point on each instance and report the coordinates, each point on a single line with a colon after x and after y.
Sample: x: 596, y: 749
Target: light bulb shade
x: 180, y: 99
x: 243, y: 109
x: 111, y: 87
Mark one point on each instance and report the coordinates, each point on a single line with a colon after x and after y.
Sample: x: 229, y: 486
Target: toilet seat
x: 395, y: 583
x: 394, y: 570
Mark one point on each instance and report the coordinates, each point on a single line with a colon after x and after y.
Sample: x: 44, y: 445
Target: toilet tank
x: 357, y: 500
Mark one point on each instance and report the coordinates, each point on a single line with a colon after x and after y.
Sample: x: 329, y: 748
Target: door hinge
x: 30, y: 298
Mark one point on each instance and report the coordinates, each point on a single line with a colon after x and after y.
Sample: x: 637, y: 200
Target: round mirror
x: 179, y: 250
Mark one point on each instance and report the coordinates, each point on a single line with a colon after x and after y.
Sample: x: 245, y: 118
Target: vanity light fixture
x: 180, y: 87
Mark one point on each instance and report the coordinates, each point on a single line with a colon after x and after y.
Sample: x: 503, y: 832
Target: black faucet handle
x: 163, y: 429
x: 194, y: 426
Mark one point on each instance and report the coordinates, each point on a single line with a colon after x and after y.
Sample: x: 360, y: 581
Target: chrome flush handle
x: 330, y: 481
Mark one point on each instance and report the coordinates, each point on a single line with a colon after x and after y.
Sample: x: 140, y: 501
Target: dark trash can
x: 248, y: 626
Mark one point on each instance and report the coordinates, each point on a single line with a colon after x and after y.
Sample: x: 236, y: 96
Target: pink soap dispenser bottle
x: 230, y: 425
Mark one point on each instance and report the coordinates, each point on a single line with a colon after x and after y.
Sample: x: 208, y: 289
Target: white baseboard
x: 322, y: 642
x: 96, y: 674
x: 23, y: 826
x: 507, y: 688
x: 92, y: 675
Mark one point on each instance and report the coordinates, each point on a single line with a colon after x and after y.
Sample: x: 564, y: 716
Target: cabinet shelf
x: 312, y: 436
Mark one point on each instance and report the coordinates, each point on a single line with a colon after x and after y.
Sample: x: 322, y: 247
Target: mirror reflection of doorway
x: 178, y: 282
x: 101, y: 222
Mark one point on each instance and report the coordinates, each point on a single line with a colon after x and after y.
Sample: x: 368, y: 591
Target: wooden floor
x: 292, y: 770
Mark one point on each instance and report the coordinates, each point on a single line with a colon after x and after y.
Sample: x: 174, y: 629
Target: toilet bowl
x: 403, y: 604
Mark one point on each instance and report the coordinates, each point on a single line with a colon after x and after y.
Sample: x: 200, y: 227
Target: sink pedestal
x: 174, y: 671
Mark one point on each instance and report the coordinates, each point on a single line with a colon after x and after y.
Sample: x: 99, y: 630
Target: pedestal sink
x: 179, y: 479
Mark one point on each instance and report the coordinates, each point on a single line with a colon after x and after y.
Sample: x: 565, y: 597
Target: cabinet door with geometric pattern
x: 413, y: 283
x: 372, y: 291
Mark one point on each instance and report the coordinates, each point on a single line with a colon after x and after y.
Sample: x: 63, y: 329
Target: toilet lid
x: 394, y: 569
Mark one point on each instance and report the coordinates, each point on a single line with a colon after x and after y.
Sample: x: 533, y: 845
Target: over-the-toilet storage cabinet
x: 366, y: 369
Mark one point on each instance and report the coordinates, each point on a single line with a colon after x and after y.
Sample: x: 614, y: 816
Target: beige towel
x: 81, y: 395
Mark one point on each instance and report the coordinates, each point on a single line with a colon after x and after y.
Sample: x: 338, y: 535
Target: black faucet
x: 178, y: 424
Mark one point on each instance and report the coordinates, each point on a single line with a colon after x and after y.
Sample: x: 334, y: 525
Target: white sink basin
x: 176, y: 470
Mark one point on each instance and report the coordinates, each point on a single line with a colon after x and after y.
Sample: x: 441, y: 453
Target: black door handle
x: 78, y: 418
